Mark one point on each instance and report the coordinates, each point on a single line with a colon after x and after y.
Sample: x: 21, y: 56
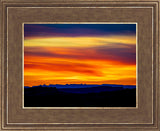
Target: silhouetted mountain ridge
x: 83, y: 86
x: 77, y: 88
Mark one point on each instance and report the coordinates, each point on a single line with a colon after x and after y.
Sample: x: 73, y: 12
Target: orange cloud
x: 100, y: 62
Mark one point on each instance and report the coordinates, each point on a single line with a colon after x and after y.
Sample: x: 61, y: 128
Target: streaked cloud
x: 74, y: 30
x: 78, y: 41
x: 87, y: 58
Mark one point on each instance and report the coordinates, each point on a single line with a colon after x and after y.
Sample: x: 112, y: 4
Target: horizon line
x: 76, y: 84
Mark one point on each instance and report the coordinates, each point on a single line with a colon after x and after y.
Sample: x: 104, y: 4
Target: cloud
x: 122, y: 53
x: 93, y: 60
x: 74, y: 30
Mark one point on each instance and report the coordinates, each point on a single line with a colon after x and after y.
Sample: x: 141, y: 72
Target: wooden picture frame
x: 13, y: 13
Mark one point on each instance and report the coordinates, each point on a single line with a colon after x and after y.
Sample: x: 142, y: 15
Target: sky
x: 79, y: 54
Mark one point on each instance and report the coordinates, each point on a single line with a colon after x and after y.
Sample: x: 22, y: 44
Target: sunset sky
x: 79, y: 53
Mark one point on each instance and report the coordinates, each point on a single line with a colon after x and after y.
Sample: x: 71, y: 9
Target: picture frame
x: 145, y: 116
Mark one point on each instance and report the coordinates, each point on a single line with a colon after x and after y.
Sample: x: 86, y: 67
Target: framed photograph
x: 79, y: 65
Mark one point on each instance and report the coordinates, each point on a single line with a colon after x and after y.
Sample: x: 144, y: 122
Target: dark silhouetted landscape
x: 80, y: 95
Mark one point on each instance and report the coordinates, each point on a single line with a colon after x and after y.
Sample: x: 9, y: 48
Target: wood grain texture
x: 15, y: 12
